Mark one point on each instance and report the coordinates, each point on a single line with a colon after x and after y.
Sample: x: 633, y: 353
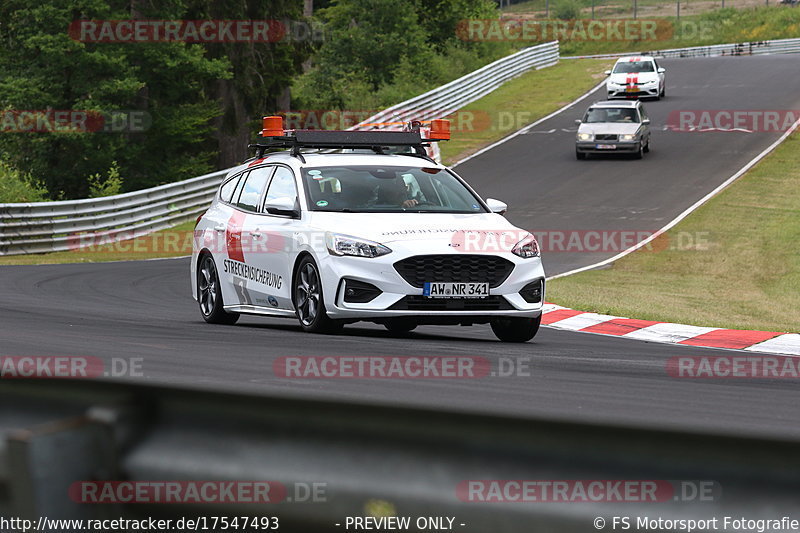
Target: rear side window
x: 254, y: 185
x: 226, y: 192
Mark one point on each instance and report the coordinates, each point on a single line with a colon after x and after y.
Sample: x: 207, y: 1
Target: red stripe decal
x: 559, y: 314
x: 256, y: 162
x: 619, y: 326
x: 233, y: 236
x: 730, y: 338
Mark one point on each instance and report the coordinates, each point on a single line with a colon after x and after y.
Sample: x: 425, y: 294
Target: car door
x: 272, y: 234
x: 240, y: 268
x: 662, y: 77
x: 217, y: 236
x: 644, y: 119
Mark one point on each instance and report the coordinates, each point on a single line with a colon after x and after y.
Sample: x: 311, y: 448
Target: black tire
x: 309, y: 302
x: 580, y: 155
x: 664, y: 91
x: 209, y: 293
x: 400, y: 326
x: 514, y: 329
x: 646, y: 147
x: 639, y: 153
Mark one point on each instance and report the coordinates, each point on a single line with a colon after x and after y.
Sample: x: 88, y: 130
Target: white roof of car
x: 628, y: 59
x: 617, y: 103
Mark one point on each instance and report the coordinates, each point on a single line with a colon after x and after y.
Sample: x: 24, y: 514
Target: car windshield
x: 610, y: 114
x: 629, y: 67
x: 388, y: 189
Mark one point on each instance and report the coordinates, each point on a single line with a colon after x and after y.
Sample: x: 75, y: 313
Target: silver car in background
x: 613, y: 127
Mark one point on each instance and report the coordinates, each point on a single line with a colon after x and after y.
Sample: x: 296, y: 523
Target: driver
x: 396, y: 193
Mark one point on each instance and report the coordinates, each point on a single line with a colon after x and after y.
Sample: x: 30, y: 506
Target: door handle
x: 219, y: 227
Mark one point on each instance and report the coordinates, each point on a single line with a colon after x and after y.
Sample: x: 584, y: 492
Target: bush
x: 567, y: 10
x: 17, y: 187
x: 108, y: 186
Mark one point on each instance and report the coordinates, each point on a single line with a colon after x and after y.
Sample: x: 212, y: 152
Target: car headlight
x: 627, y: 137
x: 584, y: 136
x: 346, y: 245
x: 526, y: 248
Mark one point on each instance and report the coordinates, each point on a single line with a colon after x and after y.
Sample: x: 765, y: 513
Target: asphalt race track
x: 547, y: 189
x: 144, y: 309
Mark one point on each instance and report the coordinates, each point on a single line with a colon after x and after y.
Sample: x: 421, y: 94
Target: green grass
x: 718, y: 26
x: 714, y: 27
x: 746, y: 276
x: 173, y: 242
x: 518, y: 103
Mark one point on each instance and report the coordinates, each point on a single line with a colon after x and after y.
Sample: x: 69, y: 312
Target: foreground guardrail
x: 59, y: 226
x: 778, y: 46
x: 412, y: 462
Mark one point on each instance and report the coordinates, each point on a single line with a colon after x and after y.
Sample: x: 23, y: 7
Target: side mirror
x: 607, y: 73
x: 496, y: 206
x: 661, y: 70
x: 578, y: 121
x: 283, y: 206
x: 646, y: 121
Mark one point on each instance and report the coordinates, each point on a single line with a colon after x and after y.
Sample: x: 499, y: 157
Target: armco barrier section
x: 779, y: 46
x: 58, y: 226
x: 54, y: 433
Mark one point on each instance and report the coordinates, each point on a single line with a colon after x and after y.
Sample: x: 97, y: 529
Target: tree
x: 379, y: 51
x: 262, y: 72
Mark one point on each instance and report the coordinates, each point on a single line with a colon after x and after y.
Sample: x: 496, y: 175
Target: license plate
x: 631, y: 89
x: 455, y: 290
x: 606, y: 147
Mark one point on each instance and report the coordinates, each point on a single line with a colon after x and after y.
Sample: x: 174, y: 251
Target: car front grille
x: 421, y: 303
x: 605, y: 137
x: 454, y: 268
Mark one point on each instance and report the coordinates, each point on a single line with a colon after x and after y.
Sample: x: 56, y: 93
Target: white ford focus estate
x: 372, y: 234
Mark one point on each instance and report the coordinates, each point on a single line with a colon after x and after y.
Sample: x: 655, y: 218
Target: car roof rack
x: 378, y: 141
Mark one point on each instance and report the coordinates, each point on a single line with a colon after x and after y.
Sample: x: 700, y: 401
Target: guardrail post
x: 44, y: 461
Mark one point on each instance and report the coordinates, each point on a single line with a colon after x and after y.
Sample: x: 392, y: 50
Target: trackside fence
x: 780, y: 46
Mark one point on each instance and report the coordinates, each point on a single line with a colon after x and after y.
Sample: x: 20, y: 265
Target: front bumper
x: 620, y: 147
x: 632, y: 92
x: 398, y: 298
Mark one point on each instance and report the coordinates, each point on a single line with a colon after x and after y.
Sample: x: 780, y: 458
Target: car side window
x: 226, y: 191
x: 282, y: 185
x: 253, y: 188
x: 643, y: 113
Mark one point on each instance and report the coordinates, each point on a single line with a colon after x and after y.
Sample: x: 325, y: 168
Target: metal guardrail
x: 778, y: 46
x: 58, y: 226
x: 452, y: 96
x: 58, y: 432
